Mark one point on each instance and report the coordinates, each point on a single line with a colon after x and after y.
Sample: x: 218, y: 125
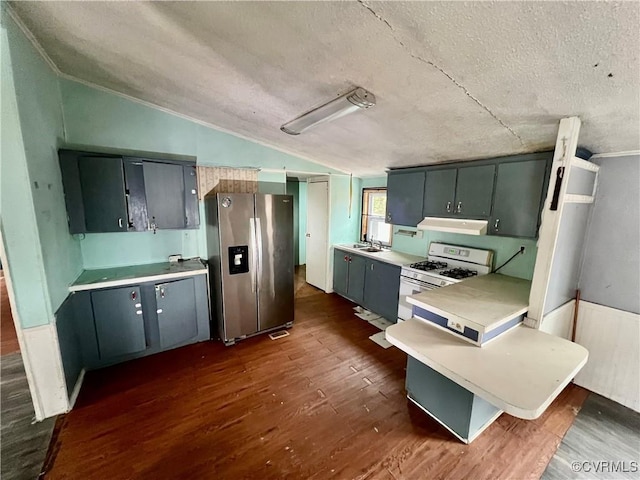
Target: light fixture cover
x: 341, y: 106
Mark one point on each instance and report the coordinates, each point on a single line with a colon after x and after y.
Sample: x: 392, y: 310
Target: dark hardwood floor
x: 324, y: 402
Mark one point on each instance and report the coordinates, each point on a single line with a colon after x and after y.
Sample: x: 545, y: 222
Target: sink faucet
x: 371, y: 240
x: 380, y: 244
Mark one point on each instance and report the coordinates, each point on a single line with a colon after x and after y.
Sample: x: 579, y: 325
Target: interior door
x: 317, y: 241
x: 274, y: 235
x: 164, y: 188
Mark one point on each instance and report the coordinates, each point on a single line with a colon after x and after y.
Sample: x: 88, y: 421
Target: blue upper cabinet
x: 111, y: 193
x: 404, y: 197
x: 103, y: 194
x: 474, y: 190
x: 462, y: 191
x: 440, y: 192
x: 519, y: 195
x: 506, y: 191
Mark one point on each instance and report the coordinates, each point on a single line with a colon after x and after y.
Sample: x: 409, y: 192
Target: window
x: 374, y: 206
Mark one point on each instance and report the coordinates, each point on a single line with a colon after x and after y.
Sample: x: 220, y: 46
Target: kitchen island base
x: 463, y: 413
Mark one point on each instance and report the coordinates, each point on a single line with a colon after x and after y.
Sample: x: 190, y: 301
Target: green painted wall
x: 43, y: 258
x: 94, y: 118
x: 345, y: 207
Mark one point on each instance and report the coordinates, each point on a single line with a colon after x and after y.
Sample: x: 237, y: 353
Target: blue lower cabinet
x: 463, y: 413
x: 117, y: 314
x: 113, y: 325
x: 371, y: 283
x: 176, y: 311
x: 381, y: 288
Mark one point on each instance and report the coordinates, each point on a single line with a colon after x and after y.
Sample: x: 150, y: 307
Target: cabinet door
x: 103, y: 195
x: 357, y: 267
x: 164, y: 189
x: 518, y: 198
x: 404, y: 198
x: 117, y: 314
x: 192, y: 213
x: 340, y: 271
x: 474, y: 191
x: 135, y: 195
x: 177, y: 320
x: 381, y: 289
x: 439, y: 193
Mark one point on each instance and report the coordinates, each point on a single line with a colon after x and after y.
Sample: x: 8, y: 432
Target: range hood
x: 454, y: 225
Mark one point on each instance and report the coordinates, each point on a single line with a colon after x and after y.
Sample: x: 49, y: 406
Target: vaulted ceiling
x: 453, y: 80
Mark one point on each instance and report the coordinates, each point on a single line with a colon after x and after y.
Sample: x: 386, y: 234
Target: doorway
x: 317, y: 235
x: 24, y: 442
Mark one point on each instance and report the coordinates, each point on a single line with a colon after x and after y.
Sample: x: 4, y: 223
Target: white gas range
x: 445, y: 265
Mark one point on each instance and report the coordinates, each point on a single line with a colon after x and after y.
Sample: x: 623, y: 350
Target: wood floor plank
x: 324, y: 402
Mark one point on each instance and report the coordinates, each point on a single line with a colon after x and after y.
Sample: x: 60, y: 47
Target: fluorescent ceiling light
x: 341, y: 106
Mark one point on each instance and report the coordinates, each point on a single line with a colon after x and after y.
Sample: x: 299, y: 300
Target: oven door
x: 410, y: 286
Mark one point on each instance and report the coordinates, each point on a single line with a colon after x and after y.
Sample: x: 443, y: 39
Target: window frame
x: 364, y: 214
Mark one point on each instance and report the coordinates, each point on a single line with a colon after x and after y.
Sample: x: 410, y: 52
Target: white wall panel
x: 613, y: 339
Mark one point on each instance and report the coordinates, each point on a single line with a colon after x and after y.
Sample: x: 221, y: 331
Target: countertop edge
x: 375, y: 255
x: 448, y: 314
x: 136, y: 280
x: 516, y: 411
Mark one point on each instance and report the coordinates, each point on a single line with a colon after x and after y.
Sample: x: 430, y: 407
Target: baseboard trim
x: 76, y: 389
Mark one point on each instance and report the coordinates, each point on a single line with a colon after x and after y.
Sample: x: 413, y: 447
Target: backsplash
x: 503, y: 247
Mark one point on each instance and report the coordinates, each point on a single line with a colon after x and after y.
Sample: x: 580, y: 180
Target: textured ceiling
x: 453, y: 80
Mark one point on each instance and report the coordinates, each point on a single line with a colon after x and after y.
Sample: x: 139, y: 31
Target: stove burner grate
x: 428, y: 265
x: 459, y: 273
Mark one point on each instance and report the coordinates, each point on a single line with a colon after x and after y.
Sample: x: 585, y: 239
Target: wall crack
x: 441, y: 70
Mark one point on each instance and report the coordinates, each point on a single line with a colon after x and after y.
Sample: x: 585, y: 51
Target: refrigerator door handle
x: 259, y: 247
x: 254, y: 251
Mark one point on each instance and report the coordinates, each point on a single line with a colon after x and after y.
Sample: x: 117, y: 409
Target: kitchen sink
x: 370, y: 249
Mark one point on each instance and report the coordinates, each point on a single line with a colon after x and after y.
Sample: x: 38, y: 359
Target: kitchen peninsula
x: 466, y: 387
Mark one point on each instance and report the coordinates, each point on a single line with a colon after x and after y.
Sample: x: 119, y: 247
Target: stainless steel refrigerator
x: 250, y: 256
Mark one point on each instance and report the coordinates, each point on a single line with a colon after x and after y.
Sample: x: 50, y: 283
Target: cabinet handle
x: 153, y: 225
x: 350, y: 259
x: 120, y: 222
x: 346, y: 259
x: 459, y: 207
x: 389, y: 216
x: 159, y: 310
x: 496, y: 224
x: 134, y: 295
x: 372, y: 266
x: 448, y: 207
x: 138, y: 312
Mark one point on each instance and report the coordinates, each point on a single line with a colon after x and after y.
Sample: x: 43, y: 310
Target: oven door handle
x: 418, y: 283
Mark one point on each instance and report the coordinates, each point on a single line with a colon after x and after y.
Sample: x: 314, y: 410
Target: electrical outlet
x: 522, y: 249
x: 455, y: 325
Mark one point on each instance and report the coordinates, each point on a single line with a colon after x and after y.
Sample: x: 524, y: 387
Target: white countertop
x: 521, y: 372
x: 387, y: 256
x: 486, y: 300
x: 119, y: 276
